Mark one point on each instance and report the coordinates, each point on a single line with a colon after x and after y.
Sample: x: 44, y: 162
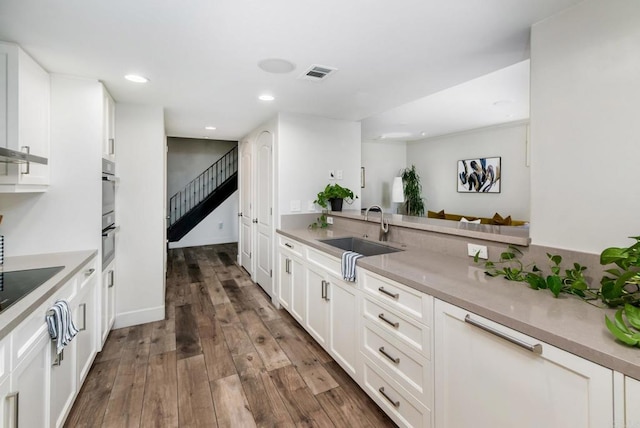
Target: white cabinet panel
x: 108, y: 126
x: 63, y: 381
x: 485, y: 380
x: 632, y: 402
x: 285, y: 278
x: 30, y: 382
x: 24, y: 122
x: 87, y: 321
x: 343, y: 316
x: 317, y: 305
x: 108, y: 309
x: 298, y: 290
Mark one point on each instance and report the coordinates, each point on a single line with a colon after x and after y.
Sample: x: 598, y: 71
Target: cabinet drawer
x: 5, y: 354
x: 410, y: 332
x: 87, y: 273
x: 290, y: 245
x: 407, y: 367
x: 397, y: 403
x: 329, y: 263
x: 406, y: 300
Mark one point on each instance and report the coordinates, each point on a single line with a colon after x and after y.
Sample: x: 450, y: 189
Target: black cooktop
x: 14, y: 285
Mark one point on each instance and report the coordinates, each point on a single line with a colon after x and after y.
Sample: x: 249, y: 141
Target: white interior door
x: 264, y: 211
x: 246, y: 231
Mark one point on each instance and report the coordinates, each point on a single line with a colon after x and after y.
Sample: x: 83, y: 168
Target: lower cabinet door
x: 86, y: 320
x: 632, y: 401
x: 343, y: 324
x: 317, y: 308
x: 108, y: 309
x: 284, y: 279
x: 7, y: 404
x: 485, y: 380
x: 63, y: 381
x: 298, y: 290
x: 29, y: 388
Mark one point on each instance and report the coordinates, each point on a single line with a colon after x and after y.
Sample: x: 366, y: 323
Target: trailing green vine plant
x: 626, y: 332
x: 621, y: 285
x: 321, y: 222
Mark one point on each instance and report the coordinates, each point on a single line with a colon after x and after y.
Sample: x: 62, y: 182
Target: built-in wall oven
x: 109, y: 228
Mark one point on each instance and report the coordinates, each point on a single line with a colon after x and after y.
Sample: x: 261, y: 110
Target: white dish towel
x: 349, y: 259
x: 60, y: 324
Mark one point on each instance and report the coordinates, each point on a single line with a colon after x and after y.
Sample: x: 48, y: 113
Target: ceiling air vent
x: 317, y: 72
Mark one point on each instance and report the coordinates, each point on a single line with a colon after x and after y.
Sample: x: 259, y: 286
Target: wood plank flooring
x: 223, y: 357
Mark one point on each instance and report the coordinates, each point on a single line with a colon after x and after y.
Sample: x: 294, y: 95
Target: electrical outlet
x: 295, y: 205
x: 339, y: 174
x: 311, y: 206
x: 330, y: 220
x: 220, y: 225
x: 473, y: 249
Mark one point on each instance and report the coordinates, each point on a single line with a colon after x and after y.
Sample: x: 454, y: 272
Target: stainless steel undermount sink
x: 359, y: 245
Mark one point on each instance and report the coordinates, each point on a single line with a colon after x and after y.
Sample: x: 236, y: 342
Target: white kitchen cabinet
x: 291, y: 277
x: 30, y: 380
x: 7, y: 411
x: 108, y: 299
x: 317, y: 304
x: 24, y: 119
x: 86, y: 318
x: 343, y: 323
x: 632, y: 402
x: 298, y: 290
x: 488, y: 375
x: 285, y: 278
x: 109, y: 127
x: 63, y: 381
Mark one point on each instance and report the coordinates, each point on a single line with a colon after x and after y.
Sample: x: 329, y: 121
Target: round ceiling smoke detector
x: 276, y: 65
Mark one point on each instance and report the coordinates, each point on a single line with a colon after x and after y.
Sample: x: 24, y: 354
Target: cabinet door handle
x: 15, y: 396
x: 396, y: 360
x: 287, y: 266
x: 323, y: 290
x: 396, y: 404
x: 112, y: 146
x: 391, y: 323
x: 28, y: 164
x: 326, y: 291
x: 89, y: 272
x: 59, y: 358
x: 239, y: 214
x: 536, y: 348
x: 110, y: 283
x: 286, y: 244
x: 388, y: 293
x: 255, y: 220
x: 84, y: 316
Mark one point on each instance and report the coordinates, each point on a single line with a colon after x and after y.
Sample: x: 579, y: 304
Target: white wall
x: 585, y: 87
x: 68, y: 216
x: 436, y: 162
x: 307, y: 148
x: 219, y: 227
x: 186, y: 159
x: 140, y: 213
x: 382, y: 160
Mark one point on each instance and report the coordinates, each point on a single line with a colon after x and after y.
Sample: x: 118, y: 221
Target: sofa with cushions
x: 496, y: 220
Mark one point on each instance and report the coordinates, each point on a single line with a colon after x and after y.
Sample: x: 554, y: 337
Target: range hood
x: 14, y: 156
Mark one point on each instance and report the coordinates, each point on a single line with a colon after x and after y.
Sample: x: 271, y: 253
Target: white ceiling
x: 202, y: 55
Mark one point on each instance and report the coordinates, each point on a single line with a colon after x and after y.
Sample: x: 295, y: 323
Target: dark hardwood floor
x: 224, y: 356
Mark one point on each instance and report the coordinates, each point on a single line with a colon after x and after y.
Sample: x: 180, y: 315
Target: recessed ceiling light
x: 423, y: 133
x: 276, y: 65
x: 266, y: 97
x: 136, y: 78
x: 210, y: 128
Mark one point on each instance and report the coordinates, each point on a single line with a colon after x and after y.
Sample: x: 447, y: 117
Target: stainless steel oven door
x: 108, y: 193
x: 108, y: 245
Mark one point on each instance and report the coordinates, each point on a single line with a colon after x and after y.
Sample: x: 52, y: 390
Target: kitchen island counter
x: 565, y: 322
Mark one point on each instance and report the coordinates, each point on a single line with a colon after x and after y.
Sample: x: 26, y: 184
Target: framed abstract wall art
x: 479, y: 175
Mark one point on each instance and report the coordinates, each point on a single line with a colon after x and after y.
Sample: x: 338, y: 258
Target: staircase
x: 202, y: 195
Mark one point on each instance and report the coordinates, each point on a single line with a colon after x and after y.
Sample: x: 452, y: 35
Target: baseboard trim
x: 127, y: 319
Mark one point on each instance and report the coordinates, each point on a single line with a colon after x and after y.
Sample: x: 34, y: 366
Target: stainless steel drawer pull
x: 287, y: 265
x: 59, y: 357
x: 84, y: 316
x: 391, y: 323
x: 15, y: 396
x: 536, y: 348
x: 388, y: 293
x: 396, y: 404
x: 323, y: 289
x: 288, y: 245
x: 394, y: 359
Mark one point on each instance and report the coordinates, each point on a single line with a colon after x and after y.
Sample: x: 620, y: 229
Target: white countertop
x: 72, y: 261
x: 565, y: 322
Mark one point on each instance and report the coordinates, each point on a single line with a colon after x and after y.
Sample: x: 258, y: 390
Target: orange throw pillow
x: 499, y: 221
x: 432, y: 214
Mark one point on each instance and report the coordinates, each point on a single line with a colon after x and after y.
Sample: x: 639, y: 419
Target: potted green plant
x: 334, y: 194
x: 414, y: 203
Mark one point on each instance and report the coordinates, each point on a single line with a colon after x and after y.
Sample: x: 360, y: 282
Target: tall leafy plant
x: 413, y: 201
